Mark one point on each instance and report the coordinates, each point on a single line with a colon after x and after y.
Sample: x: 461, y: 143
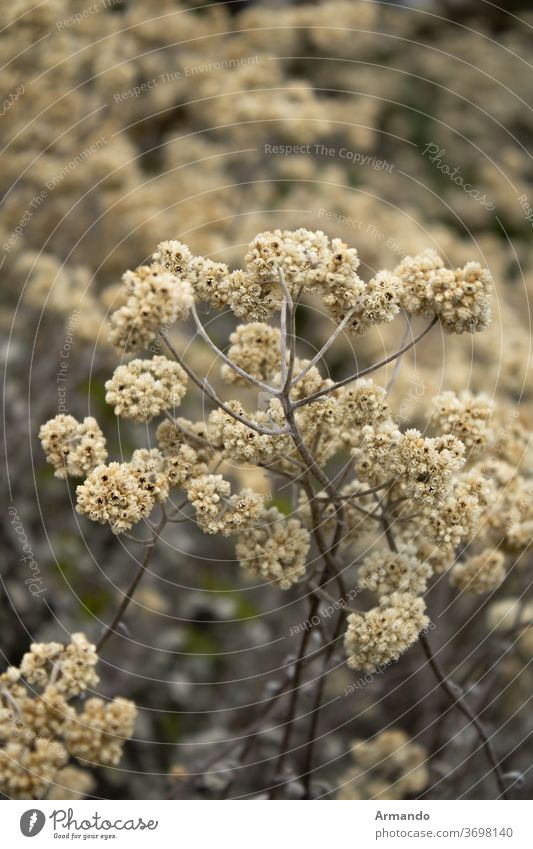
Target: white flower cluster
x: 211, y: 282
x: 379, y: 636
x: 467, y: 416
x: 156, y: 298
x: 143, y: 389
x: 220, y: 512
x: 255, y: 348
x: 361, y: 403
x: 389, y: 766
x: 460, y: 298
x: 274, y: 550
x: 424, y: 468
x: 386, y: 572
x: 75, y: 664
x: 171, y: 435
x: 40, y: 729
x: 121, y: 494
x: 243, y: 444
x: 457, y: 518
x: 305, y: 261
x: 481, y: 573
x: 379, y: 302
x: 73, y: 448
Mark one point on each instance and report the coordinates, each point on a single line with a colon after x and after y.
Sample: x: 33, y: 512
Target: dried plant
x: 397, y: 504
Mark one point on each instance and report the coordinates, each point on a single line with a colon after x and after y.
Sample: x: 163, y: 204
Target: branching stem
x: 346, y: 380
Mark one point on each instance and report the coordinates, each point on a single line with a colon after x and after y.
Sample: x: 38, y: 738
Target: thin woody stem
x: 306, y: 455
x: 208, y: 390
x: 291, y: 711
x: 229, y: 362
x: 287, y: 319
x: 328, y: 557
x: 452, y: 690
x: 456, y: 697
x: 5, y: 694
x: 270, y: 467
x: 314, y: 467
x: 128, y: 595
x: 292, y: 339
x: 283, y: 341
x: 253, y: 727
x: 345, y: 381
x: 327, y: 345
x: 397, y: 364
x: 364, y: 492
x: 317, y: 706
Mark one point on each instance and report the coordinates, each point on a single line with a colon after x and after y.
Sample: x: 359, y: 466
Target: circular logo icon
x: 32, y: 822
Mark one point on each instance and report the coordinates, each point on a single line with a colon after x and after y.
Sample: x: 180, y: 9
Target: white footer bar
x: 268, y: 825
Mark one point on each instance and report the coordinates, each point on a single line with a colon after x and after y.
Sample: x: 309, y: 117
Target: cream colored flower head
x: 156, y: 299
x: 143, y: 389
x: 73, y: 448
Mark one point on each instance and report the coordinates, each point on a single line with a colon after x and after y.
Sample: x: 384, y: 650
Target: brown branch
x: 456, y: 697
x: 344, y: 382
x: 317, y: 706
x: 208, y: 390
x: 111, y: 628
x: 454, y: 693
x: 291, y: 711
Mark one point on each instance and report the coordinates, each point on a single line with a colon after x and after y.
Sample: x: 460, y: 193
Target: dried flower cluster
x: 73, y: 448
x: 118, y: 494
x: 312, y: 263
x: 386, y: 572
x: 275, y: 551
x: 217, y: 510
x: 155, y: 300
x: 465, y: 416
x: 460, y: 298
x: 41, y: 729
x: 369, y: 498
x: 389, y: 766
x: 482, y: 573
x: 304, y: 421
x: 255, y: 348
x: 381, y: 635
x: 143, y: 389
